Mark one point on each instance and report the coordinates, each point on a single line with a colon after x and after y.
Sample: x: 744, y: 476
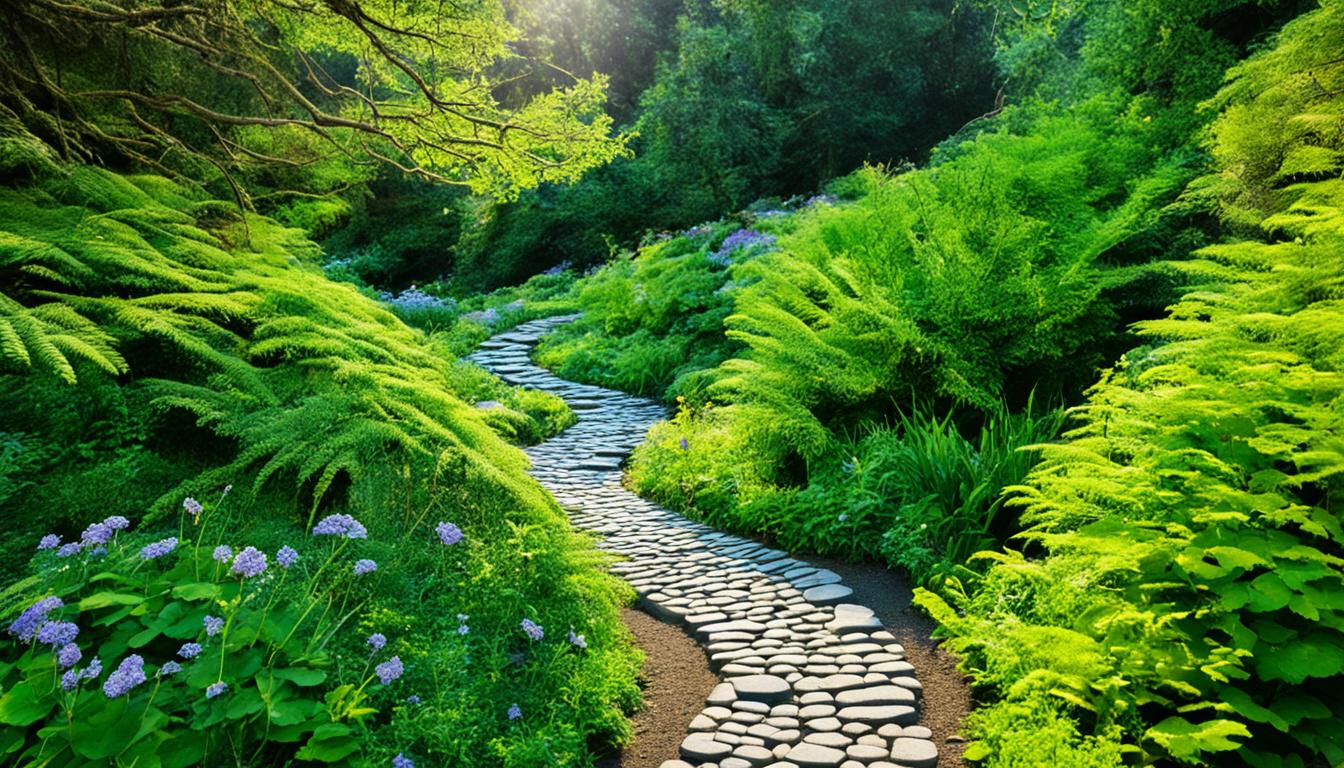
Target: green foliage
x: 1189, y: 530
x: 226, y: 358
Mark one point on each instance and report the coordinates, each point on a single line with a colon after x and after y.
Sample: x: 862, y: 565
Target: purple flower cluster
x: 533, y: 629
x: 364, y: 566
x: 222, y: 554
x: 128, y: 674
x: 287, y: 556
x: 462, y: 627
x: 414, y: 298
x: 449, y: 534
x: 377, y: 640
x: 95, y: 534
x: 67, y: 550
x: 50, y: 541
x: 389, y: 670
x: 215, y: 689
x: 340, y: 525
x: 68, y: 656
x: 158, y: 548
x: 402, y: 761
x: 25, y: 627
x: 741, y: 240
x: 193, y: 507
x: 250, y: 562
x: 576, y: 640
x: 169, y: 668
x: 73, y: 677
x: 57, y: 633
x: 189, y: 650
x: 213, y: 624
x: 515, y: 712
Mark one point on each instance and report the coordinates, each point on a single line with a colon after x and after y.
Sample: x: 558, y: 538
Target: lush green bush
x: 155, y: 345
x: 1180, y: 597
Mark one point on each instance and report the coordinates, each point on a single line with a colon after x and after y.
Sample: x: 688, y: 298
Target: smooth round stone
x: 700, y: 748
x: 865, y: 753
x: 914, y: 753
x: 787, y: 736
x: 752, y: 755
x: 880, y: 694
x: 812, y: 711
x: 722, y: 695
x: 676, y: 764
x: 918, y: 732
x: 736, y: 762
x: 827, y: 594
x: 835, y: 740
x: 824, y: 724
x: 815, y: 756
x: 764, y: 688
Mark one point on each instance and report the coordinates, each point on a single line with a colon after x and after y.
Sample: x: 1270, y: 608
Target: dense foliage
x: 154, y: 349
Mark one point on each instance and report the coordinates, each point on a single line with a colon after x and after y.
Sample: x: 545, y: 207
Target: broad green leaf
x: 22, y: 706
x: 1185, y: 740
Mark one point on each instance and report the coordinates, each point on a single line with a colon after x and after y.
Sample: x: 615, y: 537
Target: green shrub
x: 1188, y: 533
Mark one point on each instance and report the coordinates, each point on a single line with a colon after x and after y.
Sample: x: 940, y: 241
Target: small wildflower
x: 57, y: 633
x: 389, y: 670
x: 50, y: 541
x: 515, y: 712
x: 94, y: 669
x: 340, y: 525
x: 215, y: 689
x: 193, y: 507
x: 25, y: 627
x: 68, y: 550
x: 250, y: 562
x: 169, y: 668
x: 95, y: 534
x: 412, y: 699
x: 117, y: 523
x: 533, y: 629
x: 222, y: 554
x: 685, y: 444
x: 576, y: 640
x: 402, y: 761
x: 68, y: 656
x: 158, y: 548
x: 377, y: 640
x: 70, y: 679
x: 287, y: 556
x: 449, y: 534
x: 98, y: 551
x: 462, y: 627
x: 130, y: 673
x: 227, y: 489
x: 365, y: 566
x: 189, y: 650
x: 213, y: 624
x: 843, y: 517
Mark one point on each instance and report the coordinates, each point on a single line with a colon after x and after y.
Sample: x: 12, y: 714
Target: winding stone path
x: 809, y: 680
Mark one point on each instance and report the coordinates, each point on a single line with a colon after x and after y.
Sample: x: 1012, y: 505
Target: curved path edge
x: 809, y: 680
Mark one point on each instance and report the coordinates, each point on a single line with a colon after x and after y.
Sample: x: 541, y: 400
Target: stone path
x: 809, y: 680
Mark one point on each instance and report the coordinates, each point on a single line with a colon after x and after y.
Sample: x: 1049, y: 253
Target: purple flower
x: 68, y: 656
x: 222, y: 554
x: 50, y: 541
x: 402, y: 761
x: 685, y: 444
x: 377, y: 640
x: 169, y: 668
x: 215, y: 689
x: 193, y: 506
x: 189, y: 650
x: 213, y: 624
x: 340, y: 525
x: 449, y: 534
x: 250, y: 562
x: 117, y: 523
x: 412, y: 699
x: 57, y: 633
x: 128, y: 674
x: 287, y: 556
x: 31, y: 620
x: 67, y: 550
x: 95, y: 534
x: 158, y: 548
x: 365, y: 566
x: 462, y: 627
x: 578, y: 641
x: 515, y: 712
x: 389, y: 670
x: 70, y: 679
x: 94, y: 669
x: 533, y: 629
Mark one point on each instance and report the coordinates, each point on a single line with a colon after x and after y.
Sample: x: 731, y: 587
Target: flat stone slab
x: 815, y: 756
x: 914, y: 753
x: 764, y: 688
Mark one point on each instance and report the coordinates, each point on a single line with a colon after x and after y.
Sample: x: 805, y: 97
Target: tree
x: 223, y: 90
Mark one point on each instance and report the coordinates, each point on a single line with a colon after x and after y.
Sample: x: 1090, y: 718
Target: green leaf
x: 1317, y: 654
x: 1185, y: 740
x: 198, y: 590
x: 22, y: 706
x: 302, y: 676
x: 976, y: 751
x: 329, y: 743
x: 107, y: 599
